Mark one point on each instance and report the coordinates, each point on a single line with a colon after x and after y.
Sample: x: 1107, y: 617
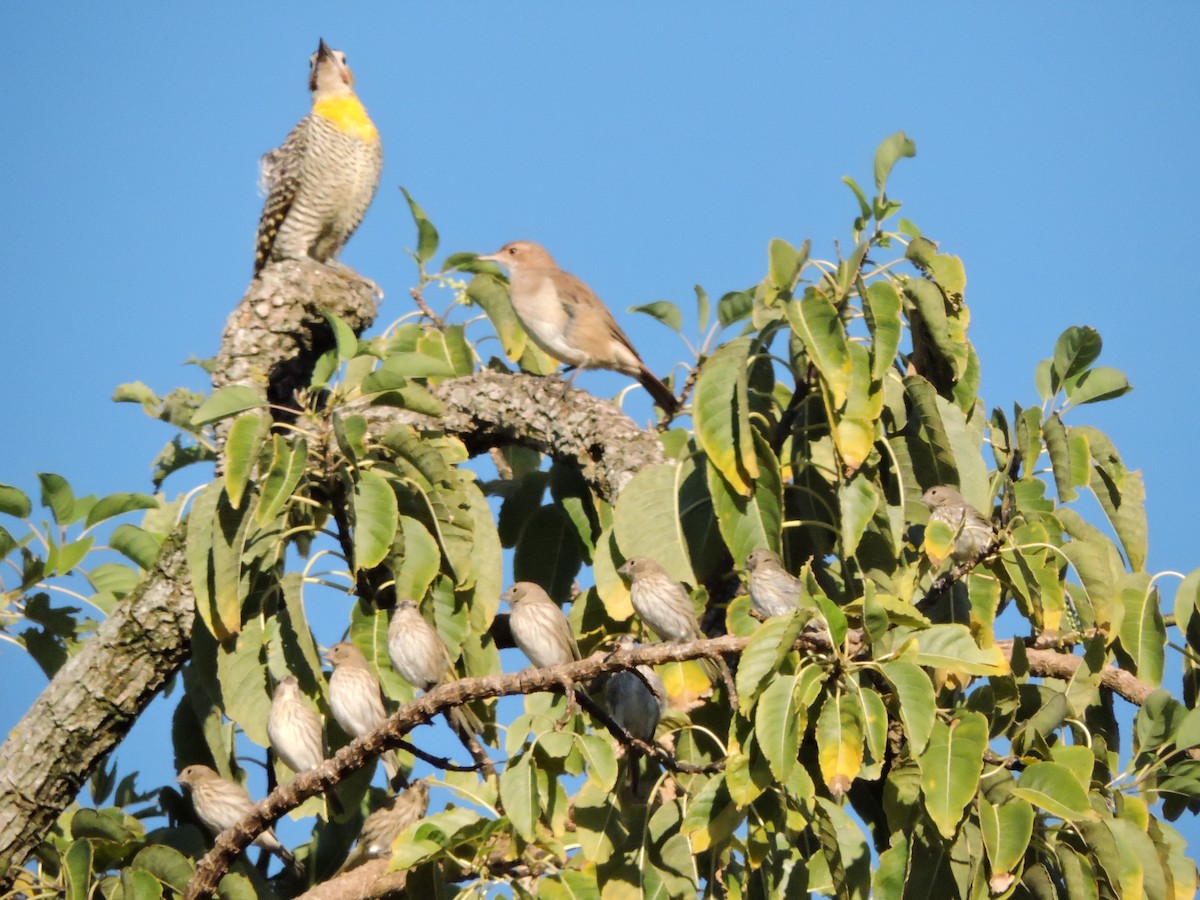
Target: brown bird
x: 355, y: 698
x: 221, y: 804
x: 417, y: 651
x: 773, y: 590
x: 295, y: 729
x: 660, y: 600
x: 973, y: 533
x: 539, y: 628
x: 382, y: 827
x: 568, y: 321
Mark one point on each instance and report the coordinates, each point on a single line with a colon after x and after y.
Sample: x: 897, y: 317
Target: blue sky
x: 648, y: 149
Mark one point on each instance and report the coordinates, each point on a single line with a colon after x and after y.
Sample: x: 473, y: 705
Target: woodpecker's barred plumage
x: 321, y: 180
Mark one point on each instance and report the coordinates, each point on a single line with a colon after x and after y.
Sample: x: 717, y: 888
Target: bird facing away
x: 973, y: 533
x: 294, y: 728
x: 568, y: 321
x: 773, y: 590
x: 417, y: 651
x: 636, y: 704
x: 382, y: 827
x: 221, y: 804
x: 539, y: 628
x: 355, y: 697
x: 321, y: 180
x: 660, y: 601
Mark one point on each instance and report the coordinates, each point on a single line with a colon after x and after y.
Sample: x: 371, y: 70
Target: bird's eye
x: 512, y: 251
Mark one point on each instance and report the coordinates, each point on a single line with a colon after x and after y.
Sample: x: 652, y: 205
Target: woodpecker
x: 320, y: 181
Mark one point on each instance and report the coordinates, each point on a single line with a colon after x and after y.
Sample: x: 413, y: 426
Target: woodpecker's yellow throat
x: 348, y: 115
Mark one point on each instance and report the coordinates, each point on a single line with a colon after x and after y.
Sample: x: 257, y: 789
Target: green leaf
x: 951, y: 646
x: 858, y: 499
x: 702, y: 306
x: 1058, y: 446
x: 519, y: 794
x: 427, y: 236
x: 722, y: 415
x: 345, y: 340
x: 246, y: 436
x: 1077, y: 348
x: 815, y: 320
x: 1053, y: 787
x: 1094, y: 385
x: 769, y: 646
x: 14, y: 502
x: 749, y: 522
x: 228, y: 401
x: 950, y: 769
x: 881, y: 309
x: 139, y: 885
x: 1006, y: 832
x: 1143, y: 633
x: 647, y: 522
x: 711, y: 816
x: 734, y: 306
x: 118, y: 504
x: 202, y: 526
x: 781, y: 716
x: 58, y: 496
x: 287, y: 467
x: 663, y: 310
x: 840, y: 741
x: 166, y: 864
x: 548, y: 551
x: 375, y: 519
x: 785, y: 263
x: 137, y: 544
x: 893, y: 148
x: 77, y: 870
x: 916, y: 703
x: 242, y: 670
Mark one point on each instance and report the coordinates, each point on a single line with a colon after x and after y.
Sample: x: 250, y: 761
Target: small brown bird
x: 417, y: 651
x: 221, y: 804
x: 539, y: 628
x: 568, y: 321
x: 382, y: 827
x: 773, y: 590
x: 355, y: 697
x: 295, y: 729
x: 660, y: 601
x: 973, y: 533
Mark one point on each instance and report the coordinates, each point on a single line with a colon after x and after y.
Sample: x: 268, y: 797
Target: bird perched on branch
x: 355, y: 698
x: 539, y: 628
x: 973, y: 532
x: 636, y: 702
x: 382, y: 827
x: 320, y: 181
x: 417, y: 651
x: 568, y: 321
x: 773, y: 590
x: 295, y: 729
x: 221, y: 804
x: 660, y: 601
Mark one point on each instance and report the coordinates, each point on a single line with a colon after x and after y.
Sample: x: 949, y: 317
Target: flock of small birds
x: 319, y: 183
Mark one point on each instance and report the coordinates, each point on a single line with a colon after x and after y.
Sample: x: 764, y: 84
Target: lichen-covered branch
x: 92, y: 702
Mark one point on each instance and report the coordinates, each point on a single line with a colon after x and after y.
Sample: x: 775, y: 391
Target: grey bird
x: 384, y: 825
x: 417, y: 651
x: 355, y: 697
x: 773, y: 590
x: 568, y: 321
x: 320, y: 181
x: 973, y: 532
x: 538, y: 625
x: 660, y: 601
x: 636, y: 701
x: 220, y: 804
x: 295, y: 728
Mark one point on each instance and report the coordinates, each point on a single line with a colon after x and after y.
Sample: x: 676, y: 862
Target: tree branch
x: 92, y: 702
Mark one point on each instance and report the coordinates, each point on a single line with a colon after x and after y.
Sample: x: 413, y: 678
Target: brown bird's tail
x: 660, y: 392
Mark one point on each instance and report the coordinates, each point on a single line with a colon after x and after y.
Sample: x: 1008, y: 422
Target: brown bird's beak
x: 322, y: 48
x: 624, y: 570
x: 490, y: 257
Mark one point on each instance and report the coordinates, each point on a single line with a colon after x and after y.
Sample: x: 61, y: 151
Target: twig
x: 438, y: 762
x: 426, y: 311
